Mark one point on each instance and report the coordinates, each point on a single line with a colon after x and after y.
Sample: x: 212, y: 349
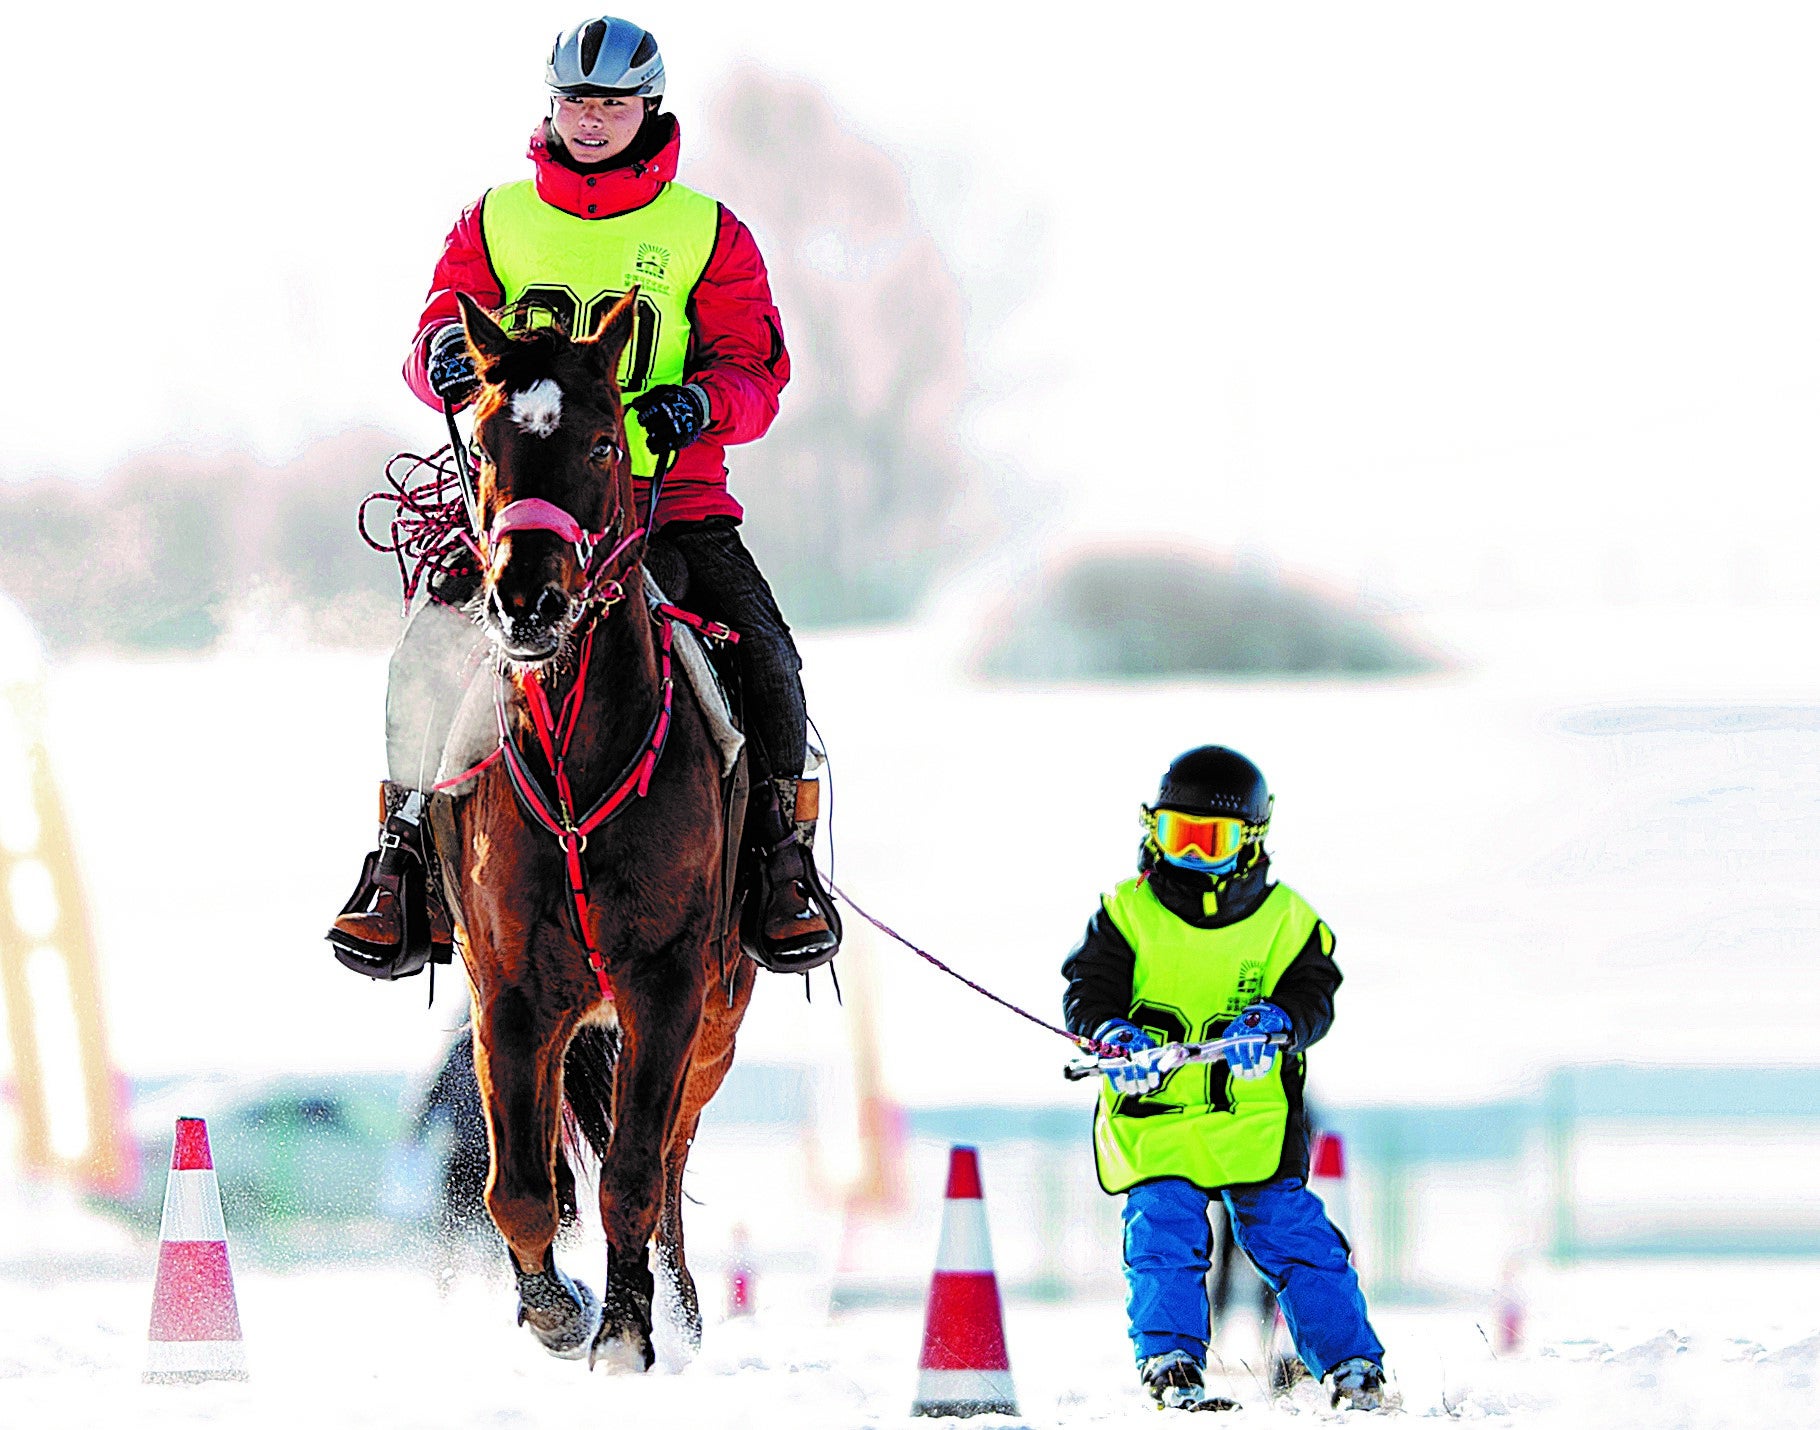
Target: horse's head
x: 554, y: 479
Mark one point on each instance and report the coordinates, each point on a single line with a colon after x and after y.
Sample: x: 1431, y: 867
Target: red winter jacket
x: 737, y: 352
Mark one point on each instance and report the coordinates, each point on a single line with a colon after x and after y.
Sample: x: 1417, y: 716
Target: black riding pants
x: 724, y: 584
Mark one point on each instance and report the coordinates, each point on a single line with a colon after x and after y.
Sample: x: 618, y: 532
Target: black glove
x: 451, y: 369
x: 672, y: 417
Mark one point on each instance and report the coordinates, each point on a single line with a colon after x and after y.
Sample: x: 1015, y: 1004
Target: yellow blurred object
x: 70, y: 1099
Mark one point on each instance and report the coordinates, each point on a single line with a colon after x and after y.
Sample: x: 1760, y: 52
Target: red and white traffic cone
x: 1510, y: 1308
x: 1327, y: 1180
x: 964, y: 1369
x: 195, y: 1331
x: 739, y: 1274
x: 1327, y: 1177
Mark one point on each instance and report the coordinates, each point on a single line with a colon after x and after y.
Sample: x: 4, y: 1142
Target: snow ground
x: 1541, y: 859
x: 383, y: 1349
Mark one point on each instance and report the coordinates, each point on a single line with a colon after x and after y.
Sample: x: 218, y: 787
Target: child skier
x: 1202, y: 945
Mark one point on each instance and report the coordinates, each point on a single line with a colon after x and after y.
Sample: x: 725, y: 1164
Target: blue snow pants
x: 1282, y: 1227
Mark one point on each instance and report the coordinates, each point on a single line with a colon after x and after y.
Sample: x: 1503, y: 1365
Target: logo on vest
x: 653, y: 261
x: 1251, y: 981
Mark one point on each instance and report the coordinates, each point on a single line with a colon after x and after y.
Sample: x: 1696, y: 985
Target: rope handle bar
x: 1173, y: 1055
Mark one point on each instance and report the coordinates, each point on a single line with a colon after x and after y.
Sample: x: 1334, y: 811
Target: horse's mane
x: 545, y: 353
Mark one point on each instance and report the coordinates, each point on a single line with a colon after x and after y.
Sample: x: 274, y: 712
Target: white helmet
x: 606, y: 56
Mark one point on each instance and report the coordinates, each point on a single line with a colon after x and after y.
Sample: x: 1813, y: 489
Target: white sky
x: 1434, y: 298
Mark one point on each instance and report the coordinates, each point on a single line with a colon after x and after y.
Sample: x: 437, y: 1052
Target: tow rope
x: 1086, y: 1044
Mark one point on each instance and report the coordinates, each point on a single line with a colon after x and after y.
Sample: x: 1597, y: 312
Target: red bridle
x: 536, y: 514
x: 554, y: 810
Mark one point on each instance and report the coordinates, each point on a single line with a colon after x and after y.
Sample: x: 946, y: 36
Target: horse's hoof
x: 624, y: 1341
x: 626, y: 1354
x: 564, y: 1315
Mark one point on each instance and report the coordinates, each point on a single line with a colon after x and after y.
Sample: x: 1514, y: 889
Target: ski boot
x: 1286, y: 1373
x: 797, y: 928
x: 1175, y: 1382
x: 1358, y: 1384
x: 395, y: 922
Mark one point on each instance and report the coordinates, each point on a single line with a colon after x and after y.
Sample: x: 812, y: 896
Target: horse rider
x: 601, y: 214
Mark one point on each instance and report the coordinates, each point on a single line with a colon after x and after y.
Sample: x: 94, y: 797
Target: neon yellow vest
x: 557, y: 268
x: 1186, y: 985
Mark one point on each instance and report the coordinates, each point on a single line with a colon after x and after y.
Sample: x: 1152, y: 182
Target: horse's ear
x: 489, y: 341
x: 613, y: 331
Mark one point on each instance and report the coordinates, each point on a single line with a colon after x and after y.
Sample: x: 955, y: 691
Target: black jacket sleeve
x: 1099, y: 977
x: 1305, y: 991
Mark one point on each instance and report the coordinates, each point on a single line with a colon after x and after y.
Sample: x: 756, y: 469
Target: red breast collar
x: 554, y: 809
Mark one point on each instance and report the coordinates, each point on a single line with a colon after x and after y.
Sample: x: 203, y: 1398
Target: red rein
x: 555, y: 729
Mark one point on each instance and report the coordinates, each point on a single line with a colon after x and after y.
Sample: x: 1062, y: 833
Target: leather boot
x: 395, y: 922
x: 798, y: 928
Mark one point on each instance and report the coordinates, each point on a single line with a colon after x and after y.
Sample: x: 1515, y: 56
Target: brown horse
x: 604, y: 949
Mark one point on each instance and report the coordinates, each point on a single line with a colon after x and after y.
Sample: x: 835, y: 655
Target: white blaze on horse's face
x: 538, y: 408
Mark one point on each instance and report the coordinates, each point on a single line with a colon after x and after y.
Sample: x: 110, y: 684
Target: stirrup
x: 399, y: 869
x: 811, y: 956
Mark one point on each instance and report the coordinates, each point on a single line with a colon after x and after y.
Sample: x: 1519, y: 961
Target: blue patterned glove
x: 1139, y: 1074
x: 672, y: 417
x: 451, y: 368
x: 1255, y: 1059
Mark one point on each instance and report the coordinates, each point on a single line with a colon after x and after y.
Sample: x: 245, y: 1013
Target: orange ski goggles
x: 1198, y: 840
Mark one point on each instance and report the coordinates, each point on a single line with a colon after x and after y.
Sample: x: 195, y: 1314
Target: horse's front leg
x: 660, y: 1009
x: 672, y: 1256
x: 518, y: 1053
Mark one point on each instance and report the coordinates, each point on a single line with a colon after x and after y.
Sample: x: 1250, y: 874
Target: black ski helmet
x: 1212, y: 779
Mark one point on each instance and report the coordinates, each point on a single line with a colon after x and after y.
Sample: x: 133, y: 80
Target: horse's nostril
x: 552, y: 605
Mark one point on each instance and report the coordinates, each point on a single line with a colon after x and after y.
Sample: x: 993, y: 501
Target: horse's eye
x: 604, y: 452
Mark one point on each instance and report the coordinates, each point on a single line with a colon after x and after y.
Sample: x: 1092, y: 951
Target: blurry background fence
x: 1602, y: 1162
x: 1683, y: 1161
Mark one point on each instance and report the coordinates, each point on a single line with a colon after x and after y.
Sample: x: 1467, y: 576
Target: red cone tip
x: 191, y: 1152
x: 964, y: 1174
x: 1329, y: 1156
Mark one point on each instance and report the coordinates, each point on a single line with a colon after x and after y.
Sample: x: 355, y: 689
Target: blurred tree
x: 1161, y: 612
x: 851, y: 498
x: 125, y: 562
x: 166, y: 551
x: 311, y: 552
